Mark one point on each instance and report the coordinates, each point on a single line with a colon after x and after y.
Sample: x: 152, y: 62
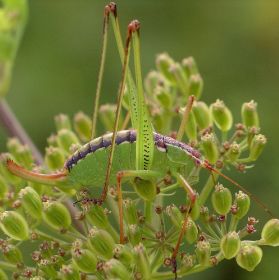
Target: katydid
x: 140, y: 155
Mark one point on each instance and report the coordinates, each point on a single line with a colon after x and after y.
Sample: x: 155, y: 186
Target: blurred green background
x: 235, y: 43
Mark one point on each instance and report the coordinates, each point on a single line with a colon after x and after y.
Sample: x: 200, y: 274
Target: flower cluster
x: 43, y: 236
x: 67, y: 246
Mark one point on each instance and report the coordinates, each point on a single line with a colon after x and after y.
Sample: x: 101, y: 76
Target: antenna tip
x: 111, y: 8
x: 134, y: 26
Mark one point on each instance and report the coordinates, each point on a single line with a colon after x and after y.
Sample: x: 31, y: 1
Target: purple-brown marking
x: 161, y: 142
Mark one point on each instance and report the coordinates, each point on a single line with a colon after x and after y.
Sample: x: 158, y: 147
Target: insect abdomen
x: 87, y: 166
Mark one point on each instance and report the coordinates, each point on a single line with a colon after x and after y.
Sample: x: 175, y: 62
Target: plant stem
x: 15, y: 129
x: 207, y: 188
x: 148, y: 211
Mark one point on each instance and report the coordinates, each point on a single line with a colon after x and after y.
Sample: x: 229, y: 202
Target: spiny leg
x: 142, y: 174
x: 185, y: 117
x: 145, y: 141
x: 192, y: 196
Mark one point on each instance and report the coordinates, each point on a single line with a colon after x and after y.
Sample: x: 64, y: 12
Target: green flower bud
x: 130, y: 211
x: 204, y: 214
x: 191, y: 126
x: 48, y: 268
x: 22, y: 153
x: 142, y: 261
x: 189, y: 66
x: 3, y: 275
x: 97, y: 217
x: 66, y: 138
x: 202, y: 115
x: 82, y: 125
x: 31, y: 202
x: 249, y: 256
x: 230, y: 245
x: 249, y: 114
x: 196, y: 85
x: 176, y: 216
x: 243, y: 204
x: 13, y: 145
x: 180, y: 79
x: 163, y: 97
x: 257, y: 146
x: 114, y: 269
x: 163, y: 63
x: 57, y: 215
x: 69, y: 272
x: 9, y: 177
x: 270, y: 233
x: 191, y: 233
x: 146, y: 189
x: 107, y: 116
x: 222, y: 116
x: 54, y: 158
x: 40, y: 188
x: 3, y: 187
x: 234, y: 152
x: 62, y: 121
x: 134, y: 234
x: 210, y: 147
x: 25, y: 156
x: 52, y: 140
x: 158, y: 119
x: 14, y: 225
x: 152, y: 80
x: 203, y: 252
x: 123, y: 253
x: 221, y: 200
x: 12, y: 254
x: 37, y: 278
x: 195, y: 211
x: 187, y: 262
x: 85, y: 260
x: 101, y: 242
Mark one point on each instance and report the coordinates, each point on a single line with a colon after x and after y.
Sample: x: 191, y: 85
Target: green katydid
x: 140, y: 156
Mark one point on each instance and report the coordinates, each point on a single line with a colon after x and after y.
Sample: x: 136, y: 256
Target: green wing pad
x: 91, y: 170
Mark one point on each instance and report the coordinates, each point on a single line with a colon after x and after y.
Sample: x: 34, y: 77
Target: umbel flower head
x: 150, y: 233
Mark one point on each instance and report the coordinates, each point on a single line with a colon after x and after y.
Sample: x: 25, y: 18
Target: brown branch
x: 15, y: 129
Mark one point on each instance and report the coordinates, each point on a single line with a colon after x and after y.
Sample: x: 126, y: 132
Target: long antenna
x: 101, y: 70
x: 255, y: 198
